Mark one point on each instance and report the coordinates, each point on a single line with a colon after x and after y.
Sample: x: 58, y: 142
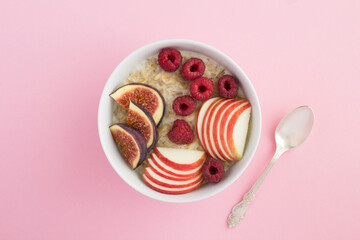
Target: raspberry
x: 184, y: 105
x: 193, y: 68
x: 181, y: 133
x: 227, y: 86
x: 213, y: 170
x: 202, y: 88
x: 169, y: 59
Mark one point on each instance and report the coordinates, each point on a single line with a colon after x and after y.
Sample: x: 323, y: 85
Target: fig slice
x: 144, y: 95
x: 141, y: 119
x: 132, y: 144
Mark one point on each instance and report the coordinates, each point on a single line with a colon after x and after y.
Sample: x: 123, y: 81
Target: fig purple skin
x: 118, y: 93
x: 139, y: 141
x: 150, y: 120
x: 161, y: 96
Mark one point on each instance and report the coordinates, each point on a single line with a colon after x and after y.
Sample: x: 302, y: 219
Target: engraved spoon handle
x: 239, y: 210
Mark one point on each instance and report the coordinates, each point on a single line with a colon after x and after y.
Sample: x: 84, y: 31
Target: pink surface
x: 55, y: 182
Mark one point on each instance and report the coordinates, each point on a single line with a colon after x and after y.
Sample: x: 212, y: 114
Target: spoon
x: 291, y: 132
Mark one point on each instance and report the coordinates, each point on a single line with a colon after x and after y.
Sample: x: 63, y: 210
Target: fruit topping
x: 222, y: 126
x: 228, y: 86
x: 169, y: 59
x: 163, y: 165
x: 165, y: 182
x: 202, y: 88
x: 193, y: 68
x: 181, y: 133
x: 144, y: 95
x: 184, y: 105
x: 141, y: 119
x: 132, y: 143
x: 165, y: 174
x: 213, y: 170
x: 170, y: 190
x: 180, y: 159
x: 174, y: 171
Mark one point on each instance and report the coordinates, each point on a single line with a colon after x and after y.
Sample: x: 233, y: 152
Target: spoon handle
x: 239, y: 210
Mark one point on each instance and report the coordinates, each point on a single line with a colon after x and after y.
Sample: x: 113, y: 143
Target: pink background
x: 55, y: 57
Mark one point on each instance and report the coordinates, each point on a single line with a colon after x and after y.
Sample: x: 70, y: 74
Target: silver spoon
x: 291, y: 132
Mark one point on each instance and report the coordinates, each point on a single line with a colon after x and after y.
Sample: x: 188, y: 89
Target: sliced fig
x: 132, y: 143
x: 141, y: 119
x: 144, y: 95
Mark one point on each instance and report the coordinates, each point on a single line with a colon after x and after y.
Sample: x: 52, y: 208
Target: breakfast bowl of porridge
x: 179, y: 121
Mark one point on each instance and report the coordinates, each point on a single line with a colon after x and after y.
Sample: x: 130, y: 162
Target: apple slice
x: 165, y: 174
x: 236, y: 130
x: 200, y: 119
x: 174, y: 172
x: 212, y: 110
x: 166, y: 190
x: 225, y: 132
x: 222, y: 128
x: 205, y: 125
x: 155, y: 178
x: 224, y: 112
x: 223, y: 138
x: 180, y: 159
x: 210, y: 129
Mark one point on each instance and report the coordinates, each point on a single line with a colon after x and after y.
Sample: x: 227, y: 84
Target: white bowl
x: 112, y: 153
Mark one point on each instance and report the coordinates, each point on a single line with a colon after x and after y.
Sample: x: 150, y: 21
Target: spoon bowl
x: 294, y: 128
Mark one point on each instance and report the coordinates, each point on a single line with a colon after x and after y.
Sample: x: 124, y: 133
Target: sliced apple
x: 222, y: 127
x: 205, y: 141
x: 225, y: 131
x: 236, y: 130
x: 150, y: 174
x: 211, y: 128
x: 174, y: 172
x: 167, y: 190
x: 180, y: 159
x: 165, y: 174
x: 200, y: 119
x: 213, y: 110
x: 224, y: 112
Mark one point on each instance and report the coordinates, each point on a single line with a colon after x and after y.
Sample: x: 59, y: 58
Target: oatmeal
x: 171, y: 85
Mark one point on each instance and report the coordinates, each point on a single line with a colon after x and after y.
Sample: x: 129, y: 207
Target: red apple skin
x: 177, y: 166
x: 170, y: 176
x: 228, y: 108
x: 206, y: 129
x: 192, y: 175
x: 175, y: 192
x: 215, y: 113
x: 199, y: 130
x: 204, y: 142
x: 223, y: 132
x: 167, y: 185
x: 230, y: 128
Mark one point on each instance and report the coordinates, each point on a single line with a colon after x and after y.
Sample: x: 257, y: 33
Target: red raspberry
x: 184, y: 105
x: 201, y: 88
x: 213, y: 170
x: 181, y: 133
x: 169, y: 59
x: 193, y: 68
x: 228, y: 86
